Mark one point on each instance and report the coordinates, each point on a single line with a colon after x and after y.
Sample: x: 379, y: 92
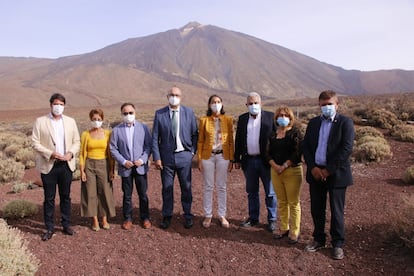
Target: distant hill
x: 201, y: 59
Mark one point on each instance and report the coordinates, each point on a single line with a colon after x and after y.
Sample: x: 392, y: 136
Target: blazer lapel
x: 51, y: 129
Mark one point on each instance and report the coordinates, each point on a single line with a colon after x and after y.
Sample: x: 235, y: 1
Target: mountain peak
x: 189, y: 27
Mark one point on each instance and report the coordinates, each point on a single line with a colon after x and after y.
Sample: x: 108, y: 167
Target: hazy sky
x: 353, y: 34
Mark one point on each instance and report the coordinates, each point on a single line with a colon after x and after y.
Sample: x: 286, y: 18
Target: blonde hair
x: 288, y: 111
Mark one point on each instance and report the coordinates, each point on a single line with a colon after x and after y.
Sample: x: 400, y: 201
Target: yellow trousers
x: 287, y: 187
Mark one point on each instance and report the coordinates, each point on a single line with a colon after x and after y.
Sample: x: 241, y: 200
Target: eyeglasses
x: 130, y: 113
x: 252, y: 103
x: 174, y: 95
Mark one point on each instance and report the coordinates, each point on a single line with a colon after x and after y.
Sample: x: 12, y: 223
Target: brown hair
x: 96, y: 111
x: 327, y: 94
x: 286, y: 110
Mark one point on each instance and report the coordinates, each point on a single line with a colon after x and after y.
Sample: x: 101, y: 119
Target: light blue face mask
x: 254, y: 109
x: 283, y: 121
x: 328, y: 110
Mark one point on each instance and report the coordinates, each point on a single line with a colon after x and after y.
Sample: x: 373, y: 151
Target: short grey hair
x: 253, y: 95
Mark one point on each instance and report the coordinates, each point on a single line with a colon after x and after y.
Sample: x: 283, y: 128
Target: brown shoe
x: 146, y: 224
x: 127, y: 225
x: 224, y: 222
x: 207, y: 222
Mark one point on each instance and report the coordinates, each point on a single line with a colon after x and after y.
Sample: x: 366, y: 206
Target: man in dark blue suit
x: 174, y: 143
x: 327, y: 146
x: 130, y: 145
x: 253, y: 131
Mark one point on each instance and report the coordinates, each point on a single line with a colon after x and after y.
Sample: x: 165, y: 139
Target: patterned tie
x: 174, y: 122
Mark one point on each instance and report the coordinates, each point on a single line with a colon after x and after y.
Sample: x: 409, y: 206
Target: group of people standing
x: 267, y: 146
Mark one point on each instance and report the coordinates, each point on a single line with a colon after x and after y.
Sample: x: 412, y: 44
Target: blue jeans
x: 253, y: 170
x: 182, y: 168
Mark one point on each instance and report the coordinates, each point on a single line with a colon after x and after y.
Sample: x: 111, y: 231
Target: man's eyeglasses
x: 130, y: 113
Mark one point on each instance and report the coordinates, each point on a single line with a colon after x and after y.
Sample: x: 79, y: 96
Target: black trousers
x: 60, y: 175
x: 318, y: 195
x: 141, y: 184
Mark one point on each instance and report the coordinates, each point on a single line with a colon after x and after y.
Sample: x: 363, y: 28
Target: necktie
x: 174, y: 122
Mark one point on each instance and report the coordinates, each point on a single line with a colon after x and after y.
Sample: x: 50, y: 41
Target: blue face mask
x: 328, y: 110
x: 254, y: 109
x: 283, y: 121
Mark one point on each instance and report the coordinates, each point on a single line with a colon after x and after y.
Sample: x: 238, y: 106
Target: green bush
x: 382, y: 118
x: 403, y: 222
x: 403, y: 132
x: 19, y: 209
x: 370, y: 146
x: 15, y: 258
x: 10, y: 170
x: 409, y: 175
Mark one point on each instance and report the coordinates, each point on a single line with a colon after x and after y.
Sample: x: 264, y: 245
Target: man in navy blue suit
x: 327, y: 146
x: 130, y: 145
x: 174, y: 143
x: 253, y: 130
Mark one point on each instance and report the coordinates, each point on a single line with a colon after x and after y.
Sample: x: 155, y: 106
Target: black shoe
x: 48, y: 235
x: 314, y: 246
x: 165, y: 223
x: 249, y: 223
x: 337, y: 253
x: 271, y: 226
x: 188, y: 223
x: 68, y: 231
x: 281, y: 235
x: 293, y: 240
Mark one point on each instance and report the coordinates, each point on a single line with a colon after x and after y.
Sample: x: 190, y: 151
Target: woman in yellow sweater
x: 97, y: 172
x: 215, y: 150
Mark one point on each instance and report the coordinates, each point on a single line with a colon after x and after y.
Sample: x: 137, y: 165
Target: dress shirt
x: 320, y: 155
x: 179, y: 146
x: 253, y: 135
x: 59, y: 129
x: 129, y: 131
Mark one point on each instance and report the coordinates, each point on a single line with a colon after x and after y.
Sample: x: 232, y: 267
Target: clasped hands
x: 319, y: 174
x: 129, y: 164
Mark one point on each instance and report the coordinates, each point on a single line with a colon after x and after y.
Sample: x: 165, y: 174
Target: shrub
x: 382, y: 118
x: 403, y: 132
x: 26, y: 156
x: 10, y: 170
x: 370, y: 146
x: 367, y: 131
x: 19, y: 209
x: 409, y: 175
x: 19, y: 187
x: 403, y: 224
x: 15, y: 258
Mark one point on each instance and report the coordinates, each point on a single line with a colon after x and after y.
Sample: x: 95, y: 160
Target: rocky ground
x: 370, y: 248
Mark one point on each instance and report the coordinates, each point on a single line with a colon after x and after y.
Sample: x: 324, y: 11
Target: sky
x: 364, y: 35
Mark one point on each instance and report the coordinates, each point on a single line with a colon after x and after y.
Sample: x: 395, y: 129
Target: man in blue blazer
x: 327, y: 147
x: 174, y: 143
x: 130, y: 146
x: 253, y: 131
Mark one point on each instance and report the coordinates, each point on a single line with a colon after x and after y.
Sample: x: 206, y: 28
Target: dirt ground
x: 370, y: 249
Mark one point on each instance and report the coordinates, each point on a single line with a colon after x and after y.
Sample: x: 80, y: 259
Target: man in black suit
x: 327, y: 146
x: 253, y: 131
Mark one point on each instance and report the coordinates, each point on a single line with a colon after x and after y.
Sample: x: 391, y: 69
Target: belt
x: 60, y: 163
x: 217, y: 152
x: 253, y: 156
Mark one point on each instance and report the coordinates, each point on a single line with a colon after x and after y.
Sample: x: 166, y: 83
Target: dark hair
x: 57, y: 96
x: 327, y: 94
x: 96, y: 111
x: 125, y: 104
x: 209, y: 111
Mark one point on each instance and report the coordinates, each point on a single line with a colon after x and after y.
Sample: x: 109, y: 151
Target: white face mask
x: 174, y: 101
x: 254, y: 109
x: 129, y: 119
x: 57, y: 109
x: 96, y: 124
x: 216, y: 107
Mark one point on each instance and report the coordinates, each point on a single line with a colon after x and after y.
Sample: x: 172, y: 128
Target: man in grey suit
x: 131, y: 147
x: 174, y: 143
x: 55, y: 139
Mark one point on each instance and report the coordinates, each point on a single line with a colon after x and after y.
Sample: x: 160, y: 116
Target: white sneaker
x: 224, y: 223
x: 206, y: 222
